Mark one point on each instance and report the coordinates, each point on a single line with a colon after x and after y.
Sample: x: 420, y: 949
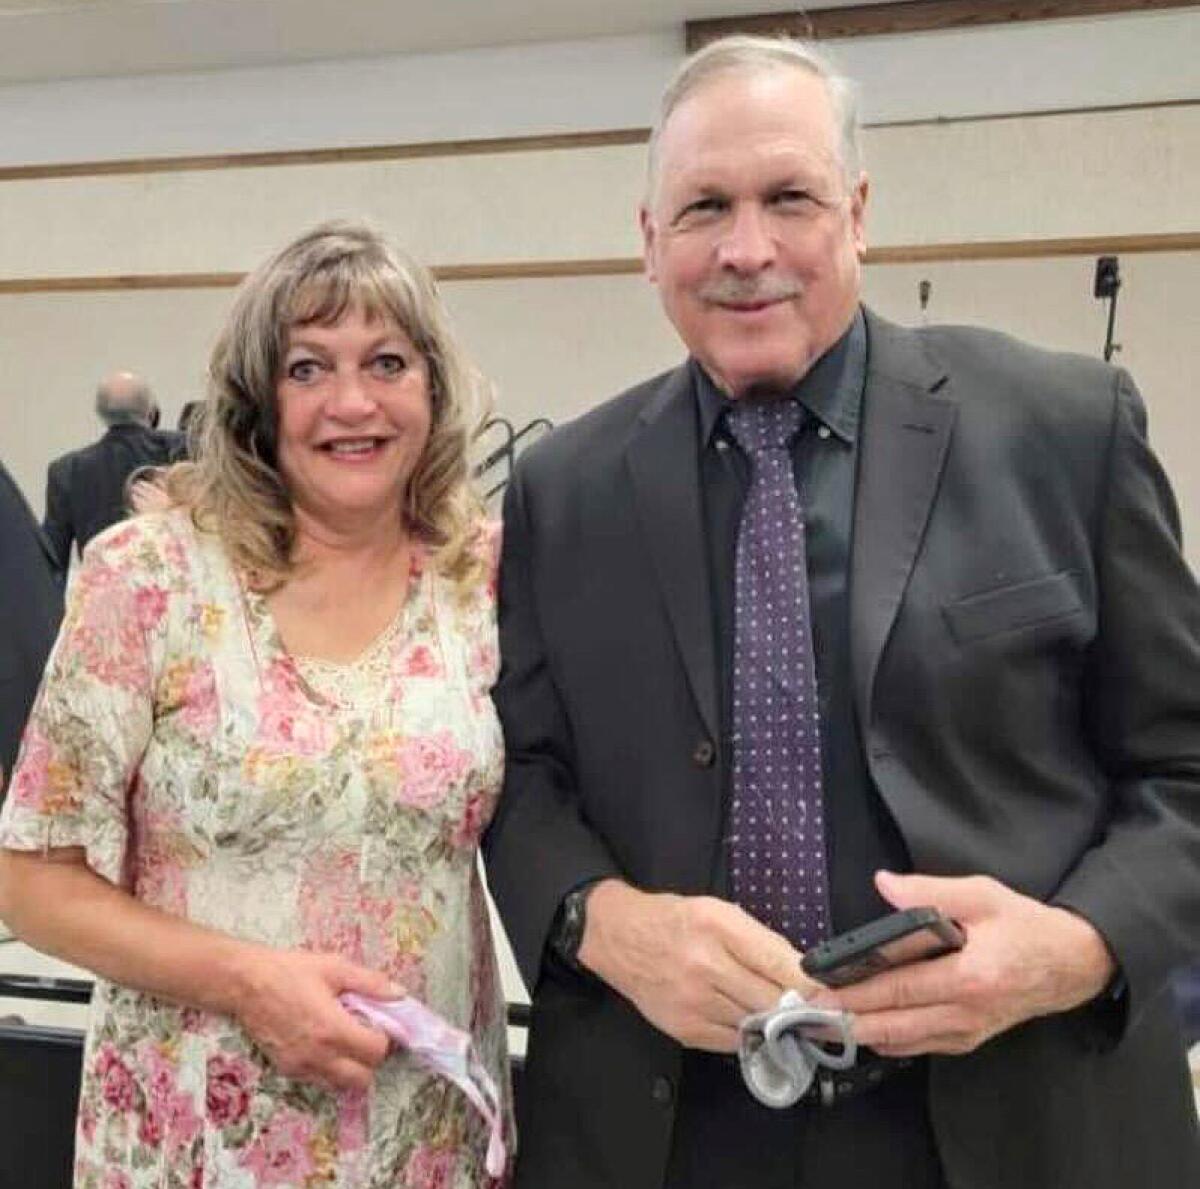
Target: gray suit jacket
x: 1026, y: 664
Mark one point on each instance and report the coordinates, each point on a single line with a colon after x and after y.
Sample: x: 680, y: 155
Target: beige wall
x: 1100, y: 173
x: 557, y: 346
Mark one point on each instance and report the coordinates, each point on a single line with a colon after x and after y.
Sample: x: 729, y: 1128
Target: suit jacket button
x: 704, y: 754
x: 662, y: 1091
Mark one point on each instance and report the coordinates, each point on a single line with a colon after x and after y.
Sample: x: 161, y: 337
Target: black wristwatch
x: 566, y: 933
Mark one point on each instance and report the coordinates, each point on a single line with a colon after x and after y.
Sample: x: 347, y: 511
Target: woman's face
x: 354, y: 418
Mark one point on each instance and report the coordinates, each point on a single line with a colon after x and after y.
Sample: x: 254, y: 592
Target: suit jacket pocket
x: 1007, y: 608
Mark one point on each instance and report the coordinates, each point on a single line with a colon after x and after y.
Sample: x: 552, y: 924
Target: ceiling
x: 58, y: 39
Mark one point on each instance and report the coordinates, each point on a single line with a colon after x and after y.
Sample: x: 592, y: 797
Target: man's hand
x: 694, y: 966
x: 1022, y: 959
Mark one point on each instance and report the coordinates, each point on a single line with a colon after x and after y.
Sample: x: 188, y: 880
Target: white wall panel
x: 577, y: 86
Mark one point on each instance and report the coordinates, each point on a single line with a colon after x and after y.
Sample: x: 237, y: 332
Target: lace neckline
x: 349, y: 685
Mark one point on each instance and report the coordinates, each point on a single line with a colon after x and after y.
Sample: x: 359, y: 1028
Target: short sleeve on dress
x: 93, y: 715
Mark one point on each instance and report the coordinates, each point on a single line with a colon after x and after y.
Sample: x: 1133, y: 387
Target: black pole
x: 1105, y: 287
x: 1109, y: 345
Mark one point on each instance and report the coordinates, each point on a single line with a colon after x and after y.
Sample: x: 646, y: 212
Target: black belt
x: 831, y: 1086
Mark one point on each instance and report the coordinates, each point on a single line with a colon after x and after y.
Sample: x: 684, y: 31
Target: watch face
x: 570, y: 935
x: 575, y: 918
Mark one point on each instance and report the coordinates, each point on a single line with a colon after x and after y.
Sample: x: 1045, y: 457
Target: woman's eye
x: 387, y: 363
x: 303, y: 371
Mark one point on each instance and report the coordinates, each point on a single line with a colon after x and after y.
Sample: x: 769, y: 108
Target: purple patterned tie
x: 777, y: 828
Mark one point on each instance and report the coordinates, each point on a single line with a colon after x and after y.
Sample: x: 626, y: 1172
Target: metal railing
x: 504, y: 456
x: 79, y: 990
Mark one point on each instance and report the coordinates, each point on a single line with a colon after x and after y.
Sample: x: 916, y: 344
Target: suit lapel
x: 663, y: 465
x: 906, y: 430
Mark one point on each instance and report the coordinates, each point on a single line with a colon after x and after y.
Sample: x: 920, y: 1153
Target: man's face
x: 751, y: 234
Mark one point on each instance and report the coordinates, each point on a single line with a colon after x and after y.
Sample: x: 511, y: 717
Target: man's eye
x: 702, y: 207
x: 303, y: 371
x: 388, y: 363
x: 793, y: 197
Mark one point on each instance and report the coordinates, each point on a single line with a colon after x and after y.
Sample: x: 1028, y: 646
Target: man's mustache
x: 734, y: 290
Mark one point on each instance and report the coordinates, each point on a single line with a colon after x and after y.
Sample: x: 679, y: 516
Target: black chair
x: 518, y: 1017
x: 39, y: 1088
x: 39, y: 1093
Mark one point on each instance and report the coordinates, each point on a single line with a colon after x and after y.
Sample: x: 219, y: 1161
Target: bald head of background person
x: 85, y: 489
x: 1006, y: 647
x: 124, y: 398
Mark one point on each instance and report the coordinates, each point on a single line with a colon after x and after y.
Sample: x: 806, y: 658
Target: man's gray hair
x: 743, y: 54
x: 124, y: 399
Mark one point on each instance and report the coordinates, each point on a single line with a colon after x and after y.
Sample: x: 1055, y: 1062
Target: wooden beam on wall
x: 972, y: 250
x: 910, y: 16
x: 284, y: 157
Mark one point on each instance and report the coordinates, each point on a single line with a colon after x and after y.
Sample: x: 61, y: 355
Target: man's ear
x: 858, y: 214
x: 646, y: 222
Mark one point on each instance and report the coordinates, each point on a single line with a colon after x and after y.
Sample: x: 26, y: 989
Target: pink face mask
x: 442, y: 1049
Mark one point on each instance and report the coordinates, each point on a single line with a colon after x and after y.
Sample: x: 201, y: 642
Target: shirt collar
x: 831, y: 390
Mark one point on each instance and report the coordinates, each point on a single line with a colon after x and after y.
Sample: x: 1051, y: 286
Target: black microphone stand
x: 1105, y: 287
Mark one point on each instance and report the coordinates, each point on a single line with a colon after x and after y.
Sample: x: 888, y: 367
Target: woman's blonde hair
x: 234, y: 487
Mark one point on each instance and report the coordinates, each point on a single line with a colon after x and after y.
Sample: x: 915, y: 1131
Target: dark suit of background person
x: 85, y: 489
x: 30, y: 610
x: 1017, y: 662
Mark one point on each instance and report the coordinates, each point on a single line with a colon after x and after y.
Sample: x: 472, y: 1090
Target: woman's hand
x: 285, y: 999
x: 287, y: 1002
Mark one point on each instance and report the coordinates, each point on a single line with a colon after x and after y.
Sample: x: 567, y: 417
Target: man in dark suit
x: 30, y: 610
x: 936, y: 646
x: 85, y: 489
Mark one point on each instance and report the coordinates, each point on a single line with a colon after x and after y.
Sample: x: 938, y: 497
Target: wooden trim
x: 1032, y: 249
x: 511, y: 144
x: 389, y: 152
x: 996, y: 117
x: 1028, y: 249
x: 909, y: 16
x: 127, y: 282
x: 539, y: 270
x: 504, y: 271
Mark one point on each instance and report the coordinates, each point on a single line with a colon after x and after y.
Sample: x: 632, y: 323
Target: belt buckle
x: 831, y: 1086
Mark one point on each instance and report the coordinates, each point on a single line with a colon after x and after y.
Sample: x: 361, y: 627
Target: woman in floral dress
x: 257, y: 771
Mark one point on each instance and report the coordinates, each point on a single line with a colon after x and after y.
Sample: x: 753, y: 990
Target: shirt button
x: 662, y: 1091
x: 704, y: 754
x: 823, y: 432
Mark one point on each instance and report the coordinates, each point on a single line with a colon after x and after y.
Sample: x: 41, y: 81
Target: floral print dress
x: 296, y: 804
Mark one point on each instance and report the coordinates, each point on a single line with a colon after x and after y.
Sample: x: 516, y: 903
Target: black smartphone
x: 894, y: 940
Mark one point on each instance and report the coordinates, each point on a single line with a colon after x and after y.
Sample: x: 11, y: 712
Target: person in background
x: 144, y: 490
x: 835, y: 618
x: 30, y: 611
x: 86, y: 488
x: 264, y: 751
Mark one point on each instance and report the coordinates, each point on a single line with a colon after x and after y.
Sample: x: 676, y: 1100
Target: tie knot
x: 760, y: 425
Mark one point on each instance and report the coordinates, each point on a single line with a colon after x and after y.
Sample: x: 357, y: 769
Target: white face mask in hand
x: 442, y: 1049
x: 781, y: 1050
